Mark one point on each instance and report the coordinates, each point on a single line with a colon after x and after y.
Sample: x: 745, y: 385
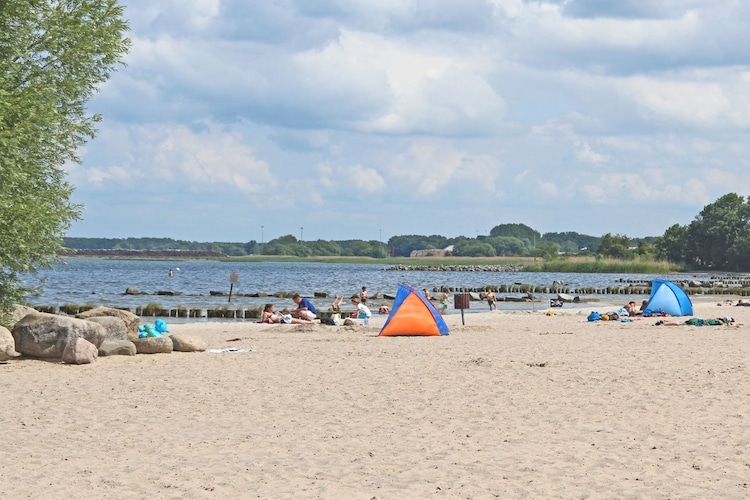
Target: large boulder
x: 131, y: 320
x: 111, y: 347
x: 7, y: 345
x: 153, y: 345
x: 79, y: 351
x: 19, y: 312
x: 188, y: 343
x: 44, y: 335
x: 116, y: 328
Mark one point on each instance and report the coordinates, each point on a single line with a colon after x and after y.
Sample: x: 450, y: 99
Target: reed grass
x: 594, y: 265
x: 151, y: 309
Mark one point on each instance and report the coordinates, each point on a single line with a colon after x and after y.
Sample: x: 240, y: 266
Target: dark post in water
x: 233, y: 278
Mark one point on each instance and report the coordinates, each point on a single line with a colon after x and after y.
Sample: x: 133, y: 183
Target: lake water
x: 103, y: 282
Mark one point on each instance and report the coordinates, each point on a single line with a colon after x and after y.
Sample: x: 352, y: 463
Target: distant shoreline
x: 151, y: 254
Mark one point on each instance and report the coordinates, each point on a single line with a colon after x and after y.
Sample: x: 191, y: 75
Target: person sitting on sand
x: 305, y: 309
x: 269, y: 315
x: 285, y: 316
x: 426, y: 294
x: 384, y: 309
x: 288, y: 317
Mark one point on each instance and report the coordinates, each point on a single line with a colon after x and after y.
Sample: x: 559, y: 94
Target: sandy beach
x: 510, y: 405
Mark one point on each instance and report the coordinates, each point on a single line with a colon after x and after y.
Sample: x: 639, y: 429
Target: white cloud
x: 587, y: 155
x: 197, y: 160
x: 426, y: 167
x: 211, y: 159
x: 548, y: 189
x: 703, y: 99
x: 352, y: 178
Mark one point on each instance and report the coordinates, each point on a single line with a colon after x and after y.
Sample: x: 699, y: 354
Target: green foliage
x: 603, y: 266
x: 520, y: 231
x: 358, y: 248
x: 571, y: 242
x: 672, y: 245
x: 716, y: 234
x: 152, y: 309
x: 718, y: 237
x: 404, y: 245
x: 473, y: 248
x: 507, y: 245
x: 276, y: 247
x: 323, y: 247
x: 546, y: 250
x: 53, y: 57
x: 615, y: 246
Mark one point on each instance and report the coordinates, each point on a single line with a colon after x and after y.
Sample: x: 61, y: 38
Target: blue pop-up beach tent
x: 669, y: 298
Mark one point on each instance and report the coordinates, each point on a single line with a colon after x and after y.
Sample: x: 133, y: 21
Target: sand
x: 509, y: 405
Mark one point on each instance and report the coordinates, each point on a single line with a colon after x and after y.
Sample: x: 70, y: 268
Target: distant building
x: 432, y: 252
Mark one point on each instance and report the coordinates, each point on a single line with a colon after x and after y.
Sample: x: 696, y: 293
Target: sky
x: 334, y: 119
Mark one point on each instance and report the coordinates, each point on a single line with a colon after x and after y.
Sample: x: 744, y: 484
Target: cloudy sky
x: 372, y: 118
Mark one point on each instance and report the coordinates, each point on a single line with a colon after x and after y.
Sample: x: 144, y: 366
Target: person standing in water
x: 445, y: 299
x: 491, y: 300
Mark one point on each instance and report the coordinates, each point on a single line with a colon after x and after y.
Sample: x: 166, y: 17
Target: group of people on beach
x: 306, y: 313
x: 629, y: 309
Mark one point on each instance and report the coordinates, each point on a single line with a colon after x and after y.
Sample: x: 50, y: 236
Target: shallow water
x: 103, y: 282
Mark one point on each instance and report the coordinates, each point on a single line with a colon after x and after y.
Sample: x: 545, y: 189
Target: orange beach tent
x: 413, y: 314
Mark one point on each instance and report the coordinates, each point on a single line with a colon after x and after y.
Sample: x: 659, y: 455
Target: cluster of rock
x: 98, y: 332
x: 133, y: 290
x: 714, y: 282
x: 490, y: 268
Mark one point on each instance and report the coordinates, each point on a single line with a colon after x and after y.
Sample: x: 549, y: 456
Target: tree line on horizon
x: 516, y: 240
x: 718, y: 238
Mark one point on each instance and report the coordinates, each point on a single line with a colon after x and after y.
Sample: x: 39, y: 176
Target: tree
x: 714, y: 234
x: 572, y: 242
x: 506, y: 245
x: 616, y: 246
x: 405, y: 244
x: 546, y: 250
x: 54, y: 54
x: 473, y: 248
x: 673, y: 244
x: 520, y: 231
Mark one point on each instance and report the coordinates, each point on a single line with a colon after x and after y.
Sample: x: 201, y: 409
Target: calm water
x: 103, y: 282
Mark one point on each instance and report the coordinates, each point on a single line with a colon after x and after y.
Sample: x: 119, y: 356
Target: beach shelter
x: 669, y: 298
x: 413, y: 314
